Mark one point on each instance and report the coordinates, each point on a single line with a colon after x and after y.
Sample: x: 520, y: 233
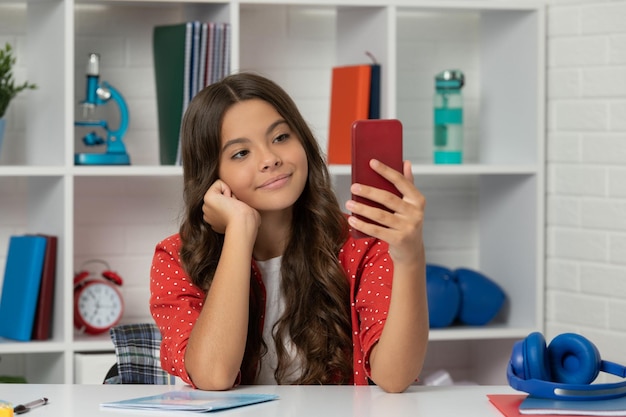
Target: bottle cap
x: 449, y: 79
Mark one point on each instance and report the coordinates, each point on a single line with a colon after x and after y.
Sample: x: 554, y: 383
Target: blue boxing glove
x: 443, y: 294
x: 481, y: 298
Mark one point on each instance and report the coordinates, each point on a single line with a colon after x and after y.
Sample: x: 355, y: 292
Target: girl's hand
x: 221, y: 208
x: 403, y: 225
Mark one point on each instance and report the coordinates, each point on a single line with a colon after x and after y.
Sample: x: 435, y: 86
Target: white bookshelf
x: 486, y: 214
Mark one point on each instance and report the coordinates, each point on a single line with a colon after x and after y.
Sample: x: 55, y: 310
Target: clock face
x: 100, y: 305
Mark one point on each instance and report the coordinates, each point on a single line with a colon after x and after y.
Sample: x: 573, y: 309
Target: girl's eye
x: 282, y: 137
x: 240, y: 154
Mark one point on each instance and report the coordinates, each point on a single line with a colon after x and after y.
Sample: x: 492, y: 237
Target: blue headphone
x: 564, y: 370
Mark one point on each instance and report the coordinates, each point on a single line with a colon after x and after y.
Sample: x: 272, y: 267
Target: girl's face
x: 261, y: 159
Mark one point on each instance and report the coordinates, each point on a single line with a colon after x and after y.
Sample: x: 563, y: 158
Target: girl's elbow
x: 215, y: 381
x: 214, y: 386
x: 394, y: 385
x: 395, y: 380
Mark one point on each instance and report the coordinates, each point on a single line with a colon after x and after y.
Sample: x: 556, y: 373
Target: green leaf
x: 8, y: 89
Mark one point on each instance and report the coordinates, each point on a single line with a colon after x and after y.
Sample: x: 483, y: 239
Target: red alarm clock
x: 98, y: 303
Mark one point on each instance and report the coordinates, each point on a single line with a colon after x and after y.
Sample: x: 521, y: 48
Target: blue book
x: 542, y: 406
x: 20, y: 286
x: 374, y: 110
x: 192, y: 400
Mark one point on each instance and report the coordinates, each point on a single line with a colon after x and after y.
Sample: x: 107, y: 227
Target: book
x: 196, y: 30
x: 187, y: 94
x: 42, y: 327
x: 374, y: 110
x: 349, y: 101
x: 508, y: 404
x: 197, y: 401
x: 169, y: 72
x: 187, y: 57
x: 204, y: 38
x: 606, y: 407
x: 20, y: 286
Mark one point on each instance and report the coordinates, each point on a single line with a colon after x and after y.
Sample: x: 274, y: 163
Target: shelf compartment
x: 127, y: 64
x: 120, y: 219
x: 36, y: 205
x: 37, y: 120
x: 490, y: 223
x: 501, y: 54
x: 37, y: 367
x: 477, y: 361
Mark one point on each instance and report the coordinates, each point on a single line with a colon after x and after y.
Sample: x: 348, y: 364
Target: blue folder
x: 20, y: 286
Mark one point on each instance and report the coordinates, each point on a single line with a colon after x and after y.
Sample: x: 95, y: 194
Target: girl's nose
x: 270, y: 161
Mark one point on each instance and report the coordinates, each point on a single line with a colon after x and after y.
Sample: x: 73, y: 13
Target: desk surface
x: 301, y: 401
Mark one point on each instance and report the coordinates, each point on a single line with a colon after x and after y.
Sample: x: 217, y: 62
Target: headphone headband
x: 613, y: 368
x: 558, y: 391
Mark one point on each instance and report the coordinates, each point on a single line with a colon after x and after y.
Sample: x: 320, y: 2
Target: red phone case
x: 380, y: 139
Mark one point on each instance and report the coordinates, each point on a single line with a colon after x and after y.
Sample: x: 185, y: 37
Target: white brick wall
x: 586, y: 219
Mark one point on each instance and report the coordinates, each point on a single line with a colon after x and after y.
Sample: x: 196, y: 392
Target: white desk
x: 295, y: 401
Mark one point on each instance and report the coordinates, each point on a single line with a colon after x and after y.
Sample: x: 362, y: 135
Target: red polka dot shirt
x: 175, y: 302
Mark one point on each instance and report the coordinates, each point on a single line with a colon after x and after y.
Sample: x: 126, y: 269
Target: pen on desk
x: 24, y: 408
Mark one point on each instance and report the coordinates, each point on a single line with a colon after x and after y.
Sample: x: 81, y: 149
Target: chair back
x: 137, y: 350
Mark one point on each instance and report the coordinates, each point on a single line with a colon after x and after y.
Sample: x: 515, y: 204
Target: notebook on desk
x: 197, y: 401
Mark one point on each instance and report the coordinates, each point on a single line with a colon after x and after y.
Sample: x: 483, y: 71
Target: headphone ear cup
x: 573, y: 359
x: 536, y: 357
x: 516, y: 362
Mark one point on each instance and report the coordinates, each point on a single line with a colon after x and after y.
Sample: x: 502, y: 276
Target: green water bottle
x: 448, y: 109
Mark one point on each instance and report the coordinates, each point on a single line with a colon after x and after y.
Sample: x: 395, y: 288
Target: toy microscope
x: 99, y: 94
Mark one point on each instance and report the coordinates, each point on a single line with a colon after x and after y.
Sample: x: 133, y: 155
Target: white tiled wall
x: 586, y: 181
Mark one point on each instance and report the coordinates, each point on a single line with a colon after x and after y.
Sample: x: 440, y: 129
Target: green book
x: 169, y: 49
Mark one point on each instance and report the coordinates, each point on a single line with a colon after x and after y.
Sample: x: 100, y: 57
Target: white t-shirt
x: 274, y: 307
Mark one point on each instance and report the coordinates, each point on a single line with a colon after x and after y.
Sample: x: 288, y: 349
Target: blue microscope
x: 99, y: 94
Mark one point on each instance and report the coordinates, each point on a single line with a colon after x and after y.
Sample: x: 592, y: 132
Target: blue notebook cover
x: 374, y: 110
x: 20, y: 286
x: 611, y: 407
x: 198, y: 401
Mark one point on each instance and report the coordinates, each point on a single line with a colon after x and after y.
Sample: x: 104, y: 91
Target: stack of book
x: 187, y: 57
x: 518, y: 405
x: 28, y: 288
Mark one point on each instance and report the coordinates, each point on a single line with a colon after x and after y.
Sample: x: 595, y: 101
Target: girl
x: 263, y: 283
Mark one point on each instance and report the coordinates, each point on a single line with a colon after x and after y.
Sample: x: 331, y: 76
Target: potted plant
x: 8, y: 88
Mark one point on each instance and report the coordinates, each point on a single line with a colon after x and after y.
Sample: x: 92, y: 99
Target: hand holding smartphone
x: 379, y: 139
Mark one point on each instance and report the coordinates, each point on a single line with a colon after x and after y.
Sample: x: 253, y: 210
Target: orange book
x: 349, y: 101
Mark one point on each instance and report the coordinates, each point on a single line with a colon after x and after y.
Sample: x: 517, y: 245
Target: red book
x: 43, y: 315
x: 508, y: 405
x: 349, y: 101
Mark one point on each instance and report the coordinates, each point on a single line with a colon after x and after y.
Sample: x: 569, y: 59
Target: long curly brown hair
x: 314, y: 285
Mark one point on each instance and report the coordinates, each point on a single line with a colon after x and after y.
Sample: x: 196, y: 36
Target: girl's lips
x: 275, y: 182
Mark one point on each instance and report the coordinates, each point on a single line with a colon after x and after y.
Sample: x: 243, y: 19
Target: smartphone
x: 380, y: 139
